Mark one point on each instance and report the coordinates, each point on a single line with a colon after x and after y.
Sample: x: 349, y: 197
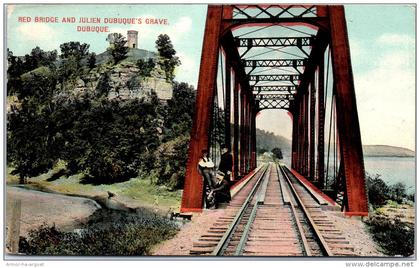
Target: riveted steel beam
x: 273, y: 104
x: 274, y: 63
x: 274, y: 77
x: 347, y: 118
x: 290, y: 89
x: 274, y: 97
x: 274, y: 42
x: 192, y: 196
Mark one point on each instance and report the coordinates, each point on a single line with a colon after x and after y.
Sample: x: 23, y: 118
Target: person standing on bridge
x: 226, y: 163
x: 205, y: 168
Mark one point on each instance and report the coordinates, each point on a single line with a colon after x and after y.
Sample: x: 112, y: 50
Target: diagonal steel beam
x: 273, y: 77
x: 274, y: 42
x: 280, y: 88
x: 275, y: 63
x: 273, y: 104
x: 274, y: 97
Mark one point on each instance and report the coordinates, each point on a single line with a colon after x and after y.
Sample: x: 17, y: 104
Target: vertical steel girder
x: 227, y: 105
x: 301, y: 138
x: 295, y: 138
x: 306, y: 134
x: 249, y: 143
x: 321, y: 123
x: 347, y: 117
x: 312, y: 132
x: 193, y: 185
x: 236, y: 130
x: 246, y: 140
x: 242, y: 135
x: 254, y: 139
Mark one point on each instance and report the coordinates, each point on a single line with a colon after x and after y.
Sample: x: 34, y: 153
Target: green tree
x: 28, y: 125
x: 72, y: 55
x: 117, y: 46
x: 277, y: 153
x: 38, y: 83
x: 39, y: 57
x: 145, y: 67
x: 109, y: 140
x: 14, y: 71
x: 180, y: 110
x: 29, y: 133
x: 167, y: 59
x: 74, y: 50
x: 92, y: 60
x: 398, y: 192
x: 378, y: 191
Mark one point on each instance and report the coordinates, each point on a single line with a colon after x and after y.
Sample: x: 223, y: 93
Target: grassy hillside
x: 386, y: 150
x: 268, y: 140
x: 133, y: 55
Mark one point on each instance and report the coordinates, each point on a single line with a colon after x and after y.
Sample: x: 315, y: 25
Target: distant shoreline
x: 387, y: 151
x: 399, y: 156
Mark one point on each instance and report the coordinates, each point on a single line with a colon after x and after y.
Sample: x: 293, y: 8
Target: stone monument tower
x: 132, y: 38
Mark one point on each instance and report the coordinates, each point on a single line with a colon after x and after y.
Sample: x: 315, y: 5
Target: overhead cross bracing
x: 274, y: 63
x: 274, y: 77
x: 276, y: 88
x: 274, y: 42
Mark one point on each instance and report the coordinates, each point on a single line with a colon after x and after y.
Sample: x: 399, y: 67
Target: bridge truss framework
x: 301, y: 91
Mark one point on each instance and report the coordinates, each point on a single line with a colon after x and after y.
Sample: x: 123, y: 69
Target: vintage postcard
x: 203, y: 130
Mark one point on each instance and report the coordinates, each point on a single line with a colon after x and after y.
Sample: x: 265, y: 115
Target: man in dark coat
x: 222, y: 188
x: 226, y: 163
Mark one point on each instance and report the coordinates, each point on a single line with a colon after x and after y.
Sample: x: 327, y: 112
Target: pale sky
x: 382, y: 41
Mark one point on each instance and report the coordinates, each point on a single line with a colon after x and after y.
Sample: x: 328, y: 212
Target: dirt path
x: 46, y: 208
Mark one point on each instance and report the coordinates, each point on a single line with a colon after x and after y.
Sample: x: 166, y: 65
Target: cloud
x: 392, y: 39
x: 386, y: 99
x: 37, y: 32
x: 183, y: 72
x: 357, y: 49
x: 176, y: 31
x: 183, y: 25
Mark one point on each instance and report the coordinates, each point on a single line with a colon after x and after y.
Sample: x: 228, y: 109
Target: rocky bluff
x: 125, y: 82
x: 124, y: 79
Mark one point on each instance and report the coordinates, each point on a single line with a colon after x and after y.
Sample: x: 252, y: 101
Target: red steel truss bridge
x: 290, y: 57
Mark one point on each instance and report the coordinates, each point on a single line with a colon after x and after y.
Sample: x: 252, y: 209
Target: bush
x: 171, y: 158
x: 107, y: 233
x: 146, y: 67
x: 117, y: 46
x: 277, y: 153
x: 109, y: 140
x: 378, y: 190
x: 393, y: 235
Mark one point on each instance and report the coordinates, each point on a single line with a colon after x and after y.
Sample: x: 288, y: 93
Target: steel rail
x: 221, y: 246
x: 309, y: 191
x: 306, y: 247
x: 259, y: 201
x: 322, y: 243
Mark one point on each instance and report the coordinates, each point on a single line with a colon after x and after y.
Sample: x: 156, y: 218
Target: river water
x: 391, y: 169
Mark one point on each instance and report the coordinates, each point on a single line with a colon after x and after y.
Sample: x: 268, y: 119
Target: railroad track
x: 273, y: 215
